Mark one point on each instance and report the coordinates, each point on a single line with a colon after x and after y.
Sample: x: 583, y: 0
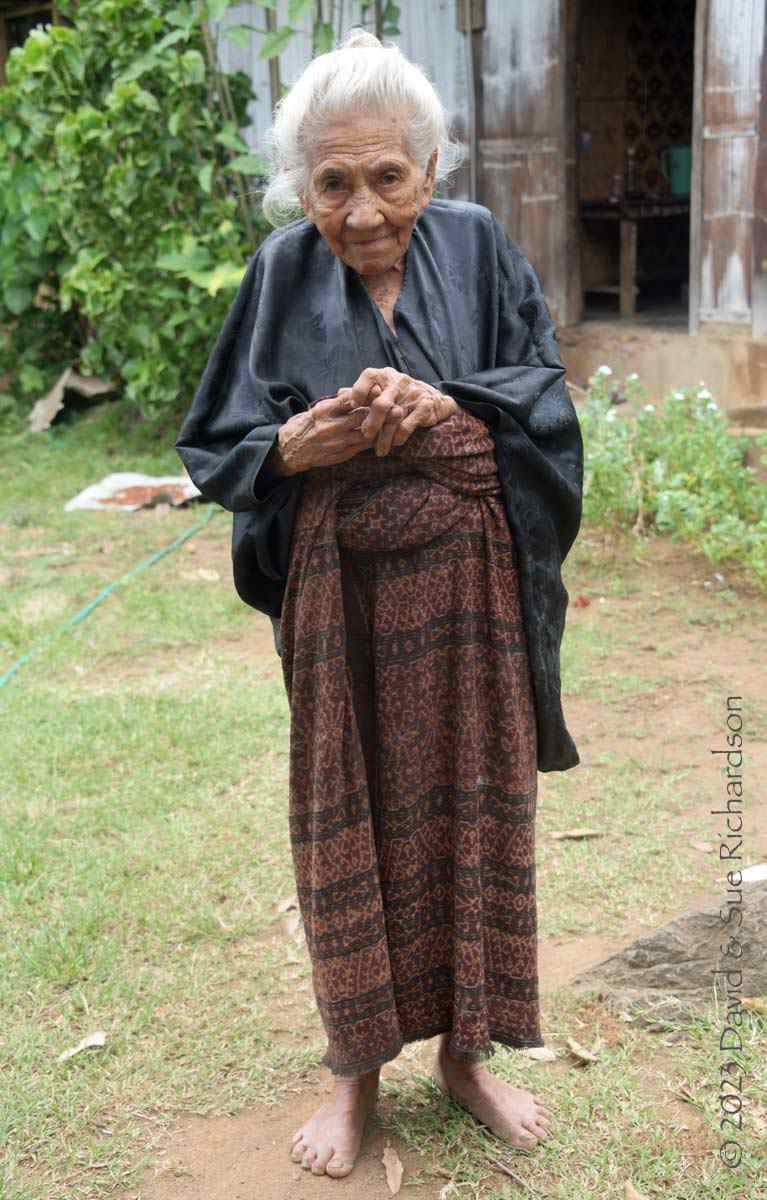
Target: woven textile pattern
x: 413, y: 751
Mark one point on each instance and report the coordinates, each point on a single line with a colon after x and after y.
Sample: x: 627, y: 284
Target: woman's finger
x: 385, y: 438
x: 371, y: 378
x: 380, y: 408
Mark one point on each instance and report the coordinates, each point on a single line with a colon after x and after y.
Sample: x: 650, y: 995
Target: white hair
x: 362, y: 75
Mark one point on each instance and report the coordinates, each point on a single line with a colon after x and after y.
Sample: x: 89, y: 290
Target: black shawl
x: 472, y: 320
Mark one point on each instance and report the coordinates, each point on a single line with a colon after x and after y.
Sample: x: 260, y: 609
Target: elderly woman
x: 385, y: 413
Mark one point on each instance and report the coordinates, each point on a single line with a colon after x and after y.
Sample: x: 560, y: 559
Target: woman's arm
x: 245, y: 439
x: 525, y: 401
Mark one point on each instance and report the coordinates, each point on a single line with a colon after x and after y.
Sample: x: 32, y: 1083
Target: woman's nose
x: 364, y: 212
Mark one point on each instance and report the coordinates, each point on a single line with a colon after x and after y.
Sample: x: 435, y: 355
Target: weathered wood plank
x: 734, y: 37
x: 628, y: 267
x: 759, y: 283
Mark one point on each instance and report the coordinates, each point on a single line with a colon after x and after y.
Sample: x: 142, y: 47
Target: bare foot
x: 511, y: 1112
x: 329, y: 1141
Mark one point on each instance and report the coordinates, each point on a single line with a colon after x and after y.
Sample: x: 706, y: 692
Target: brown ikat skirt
x: 412, y: 752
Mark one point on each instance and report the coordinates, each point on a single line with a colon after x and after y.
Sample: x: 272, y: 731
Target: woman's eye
x: 331, y: 185
x: 390, y: 177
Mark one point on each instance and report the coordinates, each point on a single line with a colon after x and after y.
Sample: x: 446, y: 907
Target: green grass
x: 144, y: 849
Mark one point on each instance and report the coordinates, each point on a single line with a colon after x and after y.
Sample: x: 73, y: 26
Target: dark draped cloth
x: 420, y: 607
x: 413, y: 752
x: 471, y: 319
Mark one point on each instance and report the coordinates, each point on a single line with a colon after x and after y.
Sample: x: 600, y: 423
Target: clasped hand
x: 381, y: 409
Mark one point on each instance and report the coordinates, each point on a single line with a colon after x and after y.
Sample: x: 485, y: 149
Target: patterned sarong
x: 412, y: 752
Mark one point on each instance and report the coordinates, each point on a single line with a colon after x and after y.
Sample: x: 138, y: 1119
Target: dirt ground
x: 693, y: 645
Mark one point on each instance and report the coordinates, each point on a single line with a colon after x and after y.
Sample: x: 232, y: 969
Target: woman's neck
x: 384, y: 289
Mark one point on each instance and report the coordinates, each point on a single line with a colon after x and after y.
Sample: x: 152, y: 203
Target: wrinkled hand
x: 328, y: 433
x: 397, y: 404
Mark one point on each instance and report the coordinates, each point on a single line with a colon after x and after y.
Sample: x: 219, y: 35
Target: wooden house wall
x: 520, y: 111
x: 730, y: 117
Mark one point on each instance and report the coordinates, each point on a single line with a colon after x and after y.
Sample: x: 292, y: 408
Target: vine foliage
x: 125, y: 222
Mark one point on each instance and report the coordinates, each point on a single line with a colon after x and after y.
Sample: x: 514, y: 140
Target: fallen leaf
x: 576, y: 833
x: 632, y: 1193
x: 394, y: 1169
x: 497, y: 1165
x: 540, y: 1053
x: 755, y: 1003
x: 46, y: 408
x: 285, y: 905
x: 582, y: 601
x: 93, y: 1039
x: 705, y: 847
x: 580, y: 1052
x: 291, y: 923
x: 208, y: 574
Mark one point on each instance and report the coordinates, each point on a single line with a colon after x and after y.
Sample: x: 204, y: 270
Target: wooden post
x: 628, y: 266
x: 696, y: 178
x: 759, y: 286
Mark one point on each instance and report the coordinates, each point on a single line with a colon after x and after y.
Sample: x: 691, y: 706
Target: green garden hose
x: 102, y: 595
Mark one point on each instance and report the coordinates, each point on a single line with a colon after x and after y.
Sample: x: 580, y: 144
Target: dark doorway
x: 17, y: 20
x: 634, y: 90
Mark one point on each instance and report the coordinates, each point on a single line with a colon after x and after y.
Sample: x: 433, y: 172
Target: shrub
x: 674, y: 468
x: 123, y: 224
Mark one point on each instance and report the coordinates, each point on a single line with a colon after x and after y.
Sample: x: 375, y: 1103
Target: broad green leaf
x: 230, y: 138
x: 74, y: 61
x: 16, y: 297
x: 205, y: 176
x: 143, y: 64
x: 12, y: 134
x: 239, y: 34
x: 224, y: 275
x: 197, y: 260
x: 194, y: 64
x: 248, y: 164
x: 217, y: 8
x: 296, y: 8
x: 174, y: 121
x: 171, y: 38
x: 185, y: 16
x: 37, y: 225
x: 275, y: 43
x: 324, y: 37
x: 145, y: 99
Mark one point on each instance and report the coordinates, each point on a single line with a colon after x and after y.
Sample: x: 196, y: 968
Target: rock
x: 670, y: 974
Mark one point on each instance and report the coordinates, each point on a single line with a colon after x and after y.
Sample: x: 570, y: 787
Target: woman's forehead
x: 358, y: 140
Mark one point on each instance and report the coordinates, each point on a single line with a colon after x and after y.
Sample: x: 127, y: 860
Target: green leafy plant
x: 125, y: 215
x: 124, y: 218
x: 673, y: 468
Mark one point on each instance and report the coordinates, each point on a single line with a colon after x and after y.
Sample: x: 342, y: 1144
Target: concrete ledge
x: 731, y: 363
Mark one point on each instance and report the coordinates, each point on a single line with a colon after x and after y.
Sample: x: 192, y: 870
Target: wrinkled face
x: 365, y: 191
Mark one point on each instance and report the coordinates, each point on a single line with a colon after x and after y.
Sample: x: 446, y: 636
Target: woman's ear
x: 427, y: 188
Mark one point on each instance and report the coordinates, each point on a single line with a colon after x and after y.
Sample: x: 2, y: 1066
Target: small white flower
x: 633, y: 375
x: 610, y: 414
x: 649, y: 408
x: 713, y: 404
x: 705, y: 394
x: 603, y: 370
x: 679, y: 395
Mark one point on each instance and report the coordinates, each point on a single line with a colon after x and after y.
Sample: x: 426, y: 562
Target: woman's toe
x: 298, y: 1150
x: 338, y: 1166
x: 536, y: 1128
x: 525, y: 1139
x: 322, y: 1160
x: 307, y: 1162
